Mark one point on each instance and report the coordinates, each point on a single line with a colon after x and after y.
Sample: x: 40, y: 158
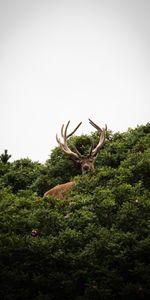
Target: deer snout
x: 86, y: 168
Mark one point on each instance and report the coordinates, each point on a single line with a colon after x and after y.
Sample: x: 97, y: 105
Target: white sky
x: 71, y: 60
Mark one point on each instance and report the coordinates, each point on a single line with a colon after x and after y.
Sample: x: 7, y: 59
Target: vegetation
x: 93, y: 246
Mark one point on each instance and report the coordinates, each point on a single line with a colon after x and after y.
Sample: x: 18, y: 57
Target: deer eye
x: 90, y: 160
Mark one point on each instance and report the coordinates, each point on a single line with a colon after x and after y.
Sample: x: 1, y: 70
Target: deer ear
x: 94, y: 157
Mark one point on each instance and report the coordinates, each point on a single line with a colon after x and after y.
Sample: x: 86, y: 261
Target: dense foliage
x: 93, y: 246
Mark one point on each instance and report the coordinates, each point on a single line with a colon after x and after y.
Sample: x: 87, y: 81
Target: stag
x: 86, y: 161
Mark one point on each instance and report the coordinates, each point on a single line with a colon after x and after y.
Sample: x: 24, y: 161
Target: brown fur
x: 59, y: 191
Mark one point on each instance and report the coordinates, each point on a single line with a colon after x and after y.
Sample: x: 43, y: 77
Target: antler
x: 102, y: 134
x: 64, y: 145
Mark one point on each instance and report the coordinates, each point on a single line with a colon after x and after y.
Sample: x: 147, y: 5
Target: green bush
x: 93, y: 246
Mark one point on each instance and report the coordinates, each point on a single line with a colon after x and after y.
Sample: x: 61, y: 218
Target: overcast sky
x: 71, y: 60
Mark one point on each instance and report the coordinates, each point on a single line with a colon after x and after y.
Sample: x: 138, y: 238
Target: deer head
x: 86, y: 161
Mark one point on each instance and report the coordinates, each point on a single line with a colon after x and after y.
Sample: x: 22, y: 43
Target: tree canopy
x: 93, y: 245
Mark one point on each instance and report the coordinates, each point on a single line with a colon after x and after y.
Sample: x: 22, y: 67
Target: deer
x: 86, y: 161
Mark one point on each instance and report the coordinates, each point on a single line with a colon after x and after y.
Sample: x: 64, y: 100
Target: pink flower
x: 94, y: 286
x: 34, y: 232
